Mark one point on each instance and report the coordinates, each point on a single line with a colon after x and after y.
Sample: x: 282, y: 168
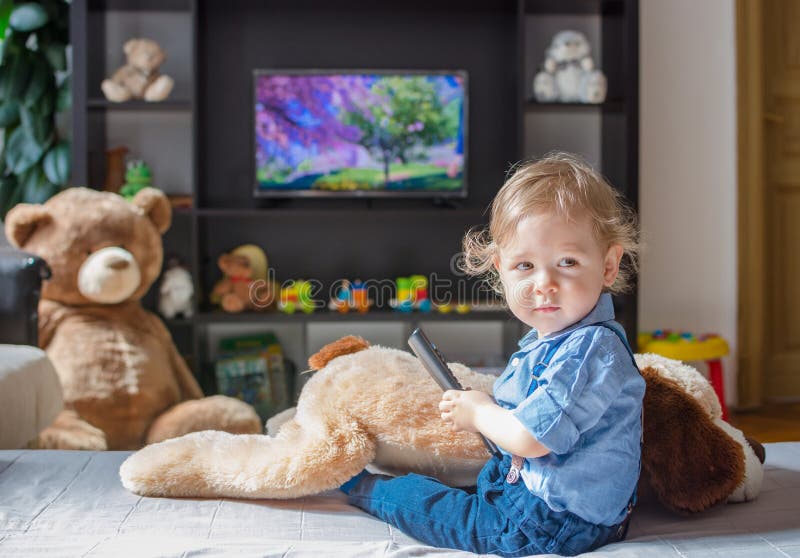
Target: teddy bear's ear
x: 22, y: 220
x: 130, y: 46
x: 156, y: 206
x: 226, y: 261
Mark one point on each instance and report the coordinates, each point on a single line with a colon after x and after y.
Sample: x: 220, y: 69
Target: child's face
x: 553, y: 271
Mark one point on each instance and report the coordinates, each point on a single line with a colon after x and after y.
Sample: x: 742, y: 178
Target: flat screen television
x: 364, y: 133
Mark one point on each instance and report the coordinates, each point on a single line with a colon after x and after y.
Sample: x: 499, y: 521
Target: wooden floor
x: 771, y: 423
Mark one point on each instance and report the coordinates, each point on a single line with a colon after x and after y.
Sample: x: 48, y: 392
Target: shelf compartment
x: 614, y: 105
x: 138, y: 105
x: 140, y: 5
x: 574, y: 7
x: 307, y: 213
x: 372, y: 316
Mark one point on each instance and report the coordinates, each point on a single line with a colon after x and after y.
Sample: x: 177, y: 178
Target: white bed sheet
x: 60, y: 503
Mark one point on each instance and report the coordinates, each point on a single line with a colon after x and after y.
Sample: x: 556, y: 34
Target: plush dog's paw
x: 170, y: 468
x: 750, y: 487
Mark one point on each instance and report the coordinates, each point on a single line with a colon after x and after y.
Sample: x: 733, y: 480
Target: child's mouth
x: 546, y: 309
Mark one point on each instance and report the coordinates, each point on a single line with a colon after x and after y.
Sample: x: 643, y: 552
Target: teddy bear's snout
x: 109, y: 275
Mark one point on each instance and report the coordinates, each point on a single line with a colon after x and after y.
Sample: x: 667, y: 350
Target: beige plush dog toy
x: 374, y: 405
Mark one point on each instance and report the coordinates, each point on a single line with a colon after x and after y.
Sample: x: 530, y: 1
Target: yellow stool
x: 685, y: 346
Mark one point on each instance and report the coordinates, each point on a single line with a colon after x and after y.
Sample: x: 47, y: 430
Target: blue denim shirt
x: 586, y: 408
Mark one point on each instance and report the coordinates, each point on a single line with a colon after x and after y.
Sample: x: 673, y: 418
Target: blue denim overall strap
x: 545, y: 362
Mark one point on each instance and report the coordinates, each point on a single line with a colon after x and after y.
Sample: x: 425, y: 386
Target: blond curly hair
x: 559, y: 182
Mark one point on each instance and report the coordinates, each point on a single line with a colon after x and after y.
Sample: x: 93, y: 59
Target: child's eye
x: 524, y: 266
x: 567, y: 262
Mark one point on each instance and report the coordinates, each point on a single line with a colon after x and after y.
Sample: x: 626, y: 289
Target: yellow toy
x: 296, y: 295
x: 685, y: 346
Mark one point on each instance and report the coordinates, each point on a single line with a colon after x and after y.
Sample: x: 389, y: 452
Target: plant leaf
x: 64, y: 101
x: 10, y: 194
x: 5, y: 12
x: 38, y: 127
x: 21, y: 151
x: 46, y: 104
x: 28, y: 17
x: 35, y: 186
x: 9, y: 113
x: 56, y: 164
x: 14, y: 76
x: 56, y: 56
x: 41, y: 77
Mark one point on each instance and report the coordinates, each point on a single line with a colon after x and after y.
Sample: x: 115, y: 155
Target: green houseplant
x: 34, y: 87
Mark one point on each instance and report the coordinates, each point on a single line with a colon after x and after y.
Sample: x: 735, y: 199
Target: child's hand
x: 459, y: 408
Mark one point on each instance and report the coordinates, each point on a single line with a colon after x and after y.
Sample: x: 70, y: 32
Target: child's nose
x: 545, y: 284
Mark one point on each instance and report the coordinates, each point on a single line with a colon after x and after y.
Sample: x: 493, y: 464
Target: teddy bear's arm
x: 189, y: 387
x: 587, y: 63
x: 223, y: 287
x: 51, y: 314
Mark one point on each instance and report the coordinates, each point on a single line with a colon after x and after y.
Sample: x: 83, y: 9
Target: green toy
x: 137, y: 177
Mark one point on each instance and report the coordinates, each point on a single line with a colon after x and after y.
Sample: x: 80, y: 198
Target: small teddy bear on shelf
x: 245, y: 285
x: 139, y: 78
x: 569, y: 75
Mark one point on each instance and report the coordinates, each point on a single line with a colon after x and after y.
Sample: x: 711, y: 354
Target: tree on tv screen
x: 408, y: 117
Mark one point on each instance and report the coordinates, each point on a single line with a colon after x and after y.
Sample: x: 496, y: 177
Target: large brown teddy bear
x: 124, y: 382
x: 139, y: 77
x: 378, y: 406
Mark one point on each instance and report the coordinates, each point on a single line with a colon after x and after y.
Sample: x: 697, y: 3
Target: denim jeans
x: 497, y: 518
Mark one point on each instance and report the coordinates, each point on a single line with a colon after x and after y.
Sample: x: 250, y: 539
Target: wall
x: 688, y: 168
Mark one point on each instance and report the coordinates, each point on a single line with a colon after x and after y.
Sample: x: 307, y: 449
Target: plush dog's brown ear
x: 344, y: 346
x: 690, y: 462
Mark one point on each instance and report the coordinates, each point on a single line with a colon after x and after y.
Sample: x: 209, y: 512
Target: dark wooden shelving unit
x: 371, y: 316
x: 500, y: 43
x: 140, y: 106
x: 533, y: 105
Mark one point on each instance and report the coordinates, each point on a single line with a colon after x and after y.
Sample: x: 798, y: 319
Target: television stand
x: 446, y: 203
x: 272, y: 203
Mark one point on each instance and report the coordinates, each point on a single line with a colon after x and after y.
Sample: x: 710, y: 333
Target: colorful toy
x: 296, y: 295
x: 137, y: 177
x: 351, y: 296
x: 412, y: 294
x: 360, y: 297
x: 245, y: 284
x: 685, y: 346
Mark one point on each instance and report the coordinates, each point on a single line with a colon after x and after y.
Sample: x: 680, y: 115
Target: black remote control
x: 436, y: 365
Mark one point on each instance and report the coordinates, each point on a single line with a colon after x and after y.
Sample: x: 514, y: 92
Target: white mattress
x: 60, y: 503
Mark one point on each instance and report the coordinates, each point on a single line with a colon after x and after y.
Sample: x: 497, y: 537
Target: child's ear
x: 496, y: 262
x: 611, y: 264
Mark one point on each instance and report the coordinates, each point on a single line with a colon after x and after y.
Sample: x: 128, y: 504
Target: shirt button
x: 514, y: 362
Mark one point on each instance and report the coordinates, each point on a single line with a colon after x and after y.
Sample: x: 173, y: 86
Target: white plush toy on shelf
x: 176, y: 293
x: 569, y: 75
